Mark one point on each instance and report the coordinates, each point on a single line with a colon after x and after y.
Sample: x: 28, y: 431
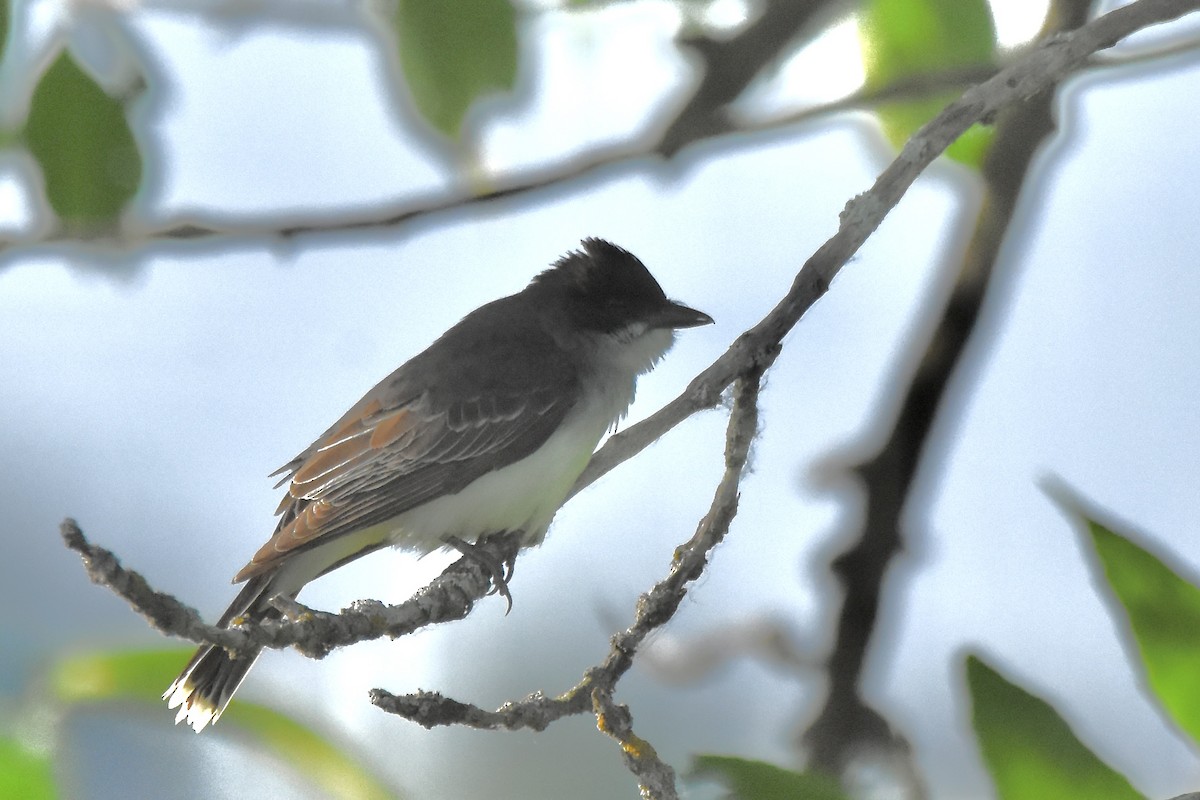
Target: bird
x: 483, y: 432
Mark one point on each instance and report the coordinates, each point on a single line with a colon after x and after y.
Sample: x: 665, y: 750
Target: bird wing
x: 386, y: 461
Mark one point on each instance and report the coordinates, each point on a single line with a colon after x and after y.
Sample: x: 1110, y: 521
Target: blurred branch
x: 846, y: 726
x: 729, y: 65
x: 908, y: 87
x: 764, y: 639
x: 443, y: 201
x: 709, y: 118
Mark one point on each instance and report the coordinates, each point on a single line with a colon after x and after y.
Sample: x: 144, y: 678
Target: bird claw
x: 500, y: 572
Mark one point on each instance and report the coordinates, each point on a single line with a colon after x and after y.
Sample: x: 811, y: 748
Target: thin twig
x: 656, y: 778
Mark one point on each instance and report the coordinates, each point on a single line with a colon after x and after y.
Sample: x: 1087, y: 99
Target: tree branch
x: 448, y: 597
x: 731, y: 64
x: 656, y: 778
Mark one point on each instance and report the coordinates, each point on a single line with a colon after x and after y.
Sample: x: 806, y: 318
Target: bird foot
x: 500, y: 572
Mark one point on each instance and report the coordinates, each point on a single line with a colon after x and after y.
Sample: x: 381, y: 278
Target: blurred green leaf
x: 117, y: 675
x: 757, y: 780
x: 143, y: 675
x: 5, y: 13
x: 909, y: 38
x: 1164, y: 614
x: 452, y: 53
x: 82, y: 141
x: 24, y: 773
x: 1029, y: 750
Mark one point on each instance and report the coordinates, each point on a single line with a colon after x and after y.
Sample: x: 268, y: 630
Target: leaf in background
x: 1029, y: 750
x: 452, y: 53
x: 8, y: 137
x: 747, y: 779
x: 5, y: 12
x: 1164, y: 614
x: 117, y: 675
x: 82, y: 141
x: 909, y: 38
x: 24, y: 773
x: 142, y: 675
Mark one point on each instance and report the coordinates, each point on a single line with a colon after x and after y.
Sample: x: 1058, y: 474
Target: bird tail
x: 207, y: 683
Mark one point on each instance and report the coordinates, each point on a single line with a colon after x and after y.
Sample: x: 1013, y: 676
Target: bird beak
x: 677, y: 315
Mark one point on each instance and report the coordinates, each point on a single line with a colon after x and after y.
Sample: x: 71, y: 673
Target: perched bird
x: 485, y: 431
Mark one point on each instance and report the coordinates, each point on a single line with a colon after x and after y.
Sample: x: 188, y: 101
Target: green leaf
x: 142, y: 675
x: 117, y: 675
x: 747, y: 779
x: 1028, y: 748
x: 5, y: 14
x: 452, y: 53
x: 907, y: 38
x: 82, y: 141
x: 24, y: 773
x: 1164, y: 613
